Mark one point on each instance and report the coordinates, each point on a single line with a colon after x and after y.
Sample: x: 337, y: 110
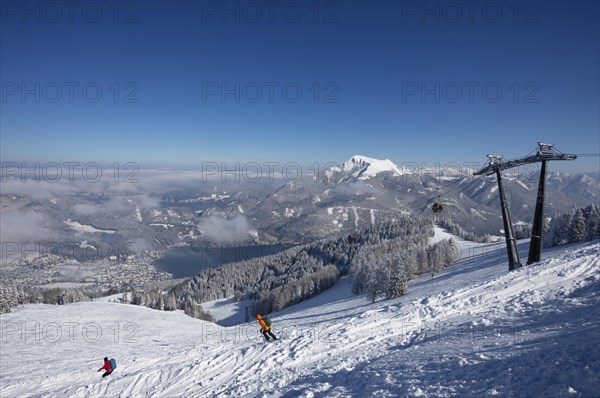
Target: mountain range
x: 337, y: 200
x: 364, y: 191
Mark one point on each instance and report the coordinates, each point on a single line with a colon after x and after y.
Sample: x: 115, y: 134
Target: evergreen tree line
x: 296, y: 291
x: 457, y: 230
x: 60, y: 295
x: 162, y: 301
x: 578, y: 225
x: 521, y: 231
x: 384, y: 271
x: 13, y: 295
x: 277, y: 281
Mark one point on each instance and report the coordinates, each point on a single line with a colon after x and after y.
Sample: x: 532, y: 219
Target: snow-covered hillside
x: 475, y: 330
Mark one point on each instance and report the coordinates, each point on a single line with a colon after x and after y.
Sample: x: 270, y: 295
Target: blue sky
x: 183, y: 82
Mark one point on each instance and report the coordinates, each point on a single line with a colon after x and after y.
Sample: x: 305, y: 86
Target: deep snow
x: 473, y: 330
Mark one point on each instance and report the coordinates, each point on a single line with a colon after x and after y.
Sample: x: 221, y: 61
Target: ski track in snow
x: 474, y: 330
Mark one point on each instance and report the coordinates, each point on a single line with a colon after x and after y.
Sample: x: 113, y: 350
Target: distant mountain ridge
x: 363, y: 191
x: 360, y: 192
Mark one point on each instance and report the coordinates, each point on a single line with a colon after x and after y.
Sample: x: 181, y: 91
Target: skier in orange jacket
x: 265, y: 329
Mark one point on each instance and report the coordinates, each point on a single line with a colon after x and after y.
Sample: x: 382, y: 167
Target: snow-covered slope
x: 475, y: 330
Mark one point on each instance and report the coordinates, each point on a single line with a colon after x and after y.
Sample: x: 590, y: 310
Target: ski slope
x: 474, y: 330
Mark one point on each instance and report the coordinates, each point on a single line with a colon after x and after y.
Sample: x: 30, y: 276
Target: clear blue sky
x: 384, y: 79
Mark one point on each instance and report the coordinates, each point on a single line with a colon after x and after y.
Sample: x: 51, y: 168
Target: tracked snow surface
x: 475, y: 330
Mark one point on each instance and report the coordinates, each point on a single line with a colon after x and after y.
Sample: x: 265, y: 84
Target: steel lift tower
x: 544, y: 153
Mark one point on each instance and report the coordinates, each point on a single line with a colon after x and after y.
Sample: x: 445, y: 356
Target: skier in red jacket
x: 106, y: 367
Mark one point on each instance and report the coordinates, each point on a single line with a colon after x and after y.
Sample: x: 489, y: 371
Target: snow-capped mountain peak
x: 363, y: 167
